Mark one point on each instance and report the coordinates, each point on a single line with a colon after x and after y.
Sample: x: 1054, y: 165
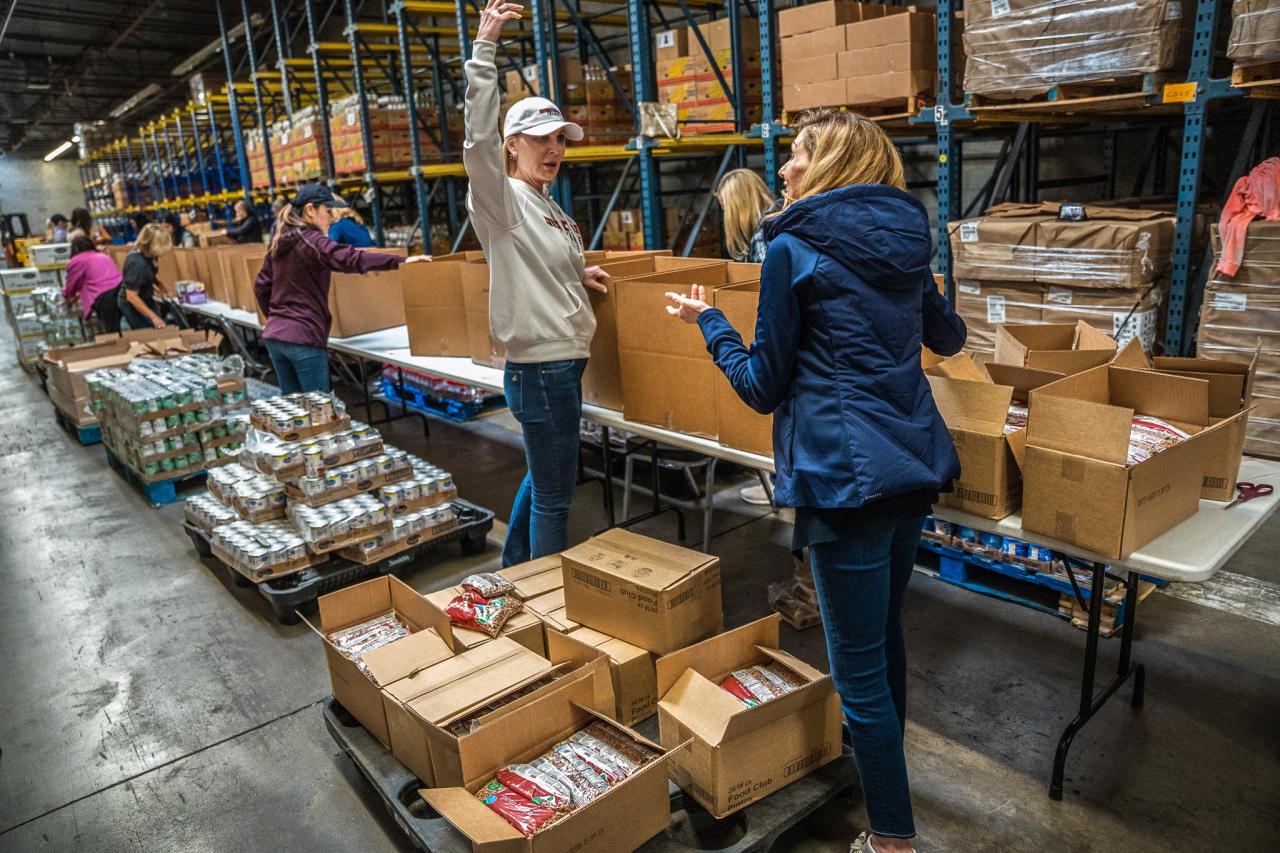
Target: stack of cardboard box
x: 390, y: 132
x: 1255, y: 32
x: 1030, y: 263
x: 255, y: 149
x: 1022, y: 48
x: 687, y: 75
x: 839, y: 53
x: 587, y: 97
x: 1240, y: 323
x: 624, y: 230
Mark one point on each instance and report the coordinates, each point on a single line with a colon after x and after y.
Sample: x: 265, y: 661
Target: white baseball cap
x: 538, y: 117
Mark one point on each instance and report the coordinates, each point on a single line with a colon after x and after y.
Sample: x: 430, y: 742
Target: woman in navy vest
x: 846, y: 299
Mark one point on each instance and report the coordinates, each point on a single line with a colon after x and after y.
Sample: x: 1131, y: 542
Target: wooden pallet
x: 1140, y: 91
x: 901, y: 110
x: 1259, y: 80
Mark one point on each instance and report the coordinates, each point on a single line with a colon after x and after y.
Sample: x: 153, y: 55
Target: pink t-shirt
x: 89, y: 275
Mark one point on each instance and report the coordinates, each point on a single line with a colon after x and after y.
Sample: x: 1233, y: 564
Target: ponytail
x: 288, y: 220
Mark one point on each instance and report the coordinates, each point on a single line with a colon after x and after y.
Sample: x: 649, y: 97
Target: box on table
x: 652, y: 349
x: 974, y: 402
x: 43, y: 254
x: 435, y: 306
x: 623, y: 818
x: 738, y: 425
x: 245, y: 269
x: 653, y: 594
x: 367, y: 303
x: 739, y: 755
x: 360, y: 692
x: 1077, y: 485
x: 1062, y: 349
x: 485, y: 348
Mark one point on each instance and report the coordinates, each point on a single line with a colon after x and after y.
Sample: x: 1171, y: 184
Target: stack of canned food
x: 429, y: 485
x: 221, y: 481
x: 258, y: 496
x: 207, y: 512
x: 426, y: 523
x: 206, y: 367
x: 340, y: 519
x: 293, y: 412
x: 344, y: 476
x: 257, y: 547
x: 269, y: 454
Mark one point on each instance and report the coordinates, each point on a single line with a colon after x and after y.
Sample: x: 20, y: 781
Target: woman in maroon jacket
x: 293, y: 287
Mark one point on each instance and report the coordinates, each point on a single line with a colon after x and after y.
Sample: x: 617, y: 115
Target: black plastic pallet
x: 290, y: 592
x: 754, y: 829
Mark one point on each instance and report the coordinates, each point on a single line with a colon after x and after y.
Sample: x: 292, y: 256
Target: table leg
x: 1089, y: 702
x: 606, y: 463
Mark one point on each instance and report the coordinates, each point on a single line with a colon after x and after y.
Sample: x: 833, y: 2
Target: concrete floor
x: 149, y: 704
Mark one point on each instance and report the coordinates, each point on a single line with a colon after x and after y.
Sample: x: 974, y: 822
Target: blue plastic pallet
x: 86, y: 435
x: 452, y: 410
x: 156, y: 493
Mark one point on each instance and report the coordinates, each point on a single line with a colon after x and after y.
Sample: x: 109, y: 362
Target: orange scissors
x: 1249, y: 491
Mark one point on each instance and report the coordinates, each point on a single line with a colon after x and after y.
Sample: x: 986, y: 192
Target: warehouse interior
x: 1099, y: 182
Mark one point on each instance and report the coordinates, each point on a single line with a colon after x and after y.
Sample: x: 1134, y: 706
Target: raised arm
x: 489, y: 197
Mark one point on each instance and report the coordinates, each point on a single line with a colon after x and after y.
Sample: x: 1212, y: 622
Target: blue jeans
x: 860, y: 584
x: 298, y: 367
x: 546, y: 398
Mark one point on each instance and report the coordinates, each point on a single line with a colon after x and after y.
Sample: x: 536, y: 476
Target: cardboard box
x: 985, y: 306
x: 821, y: 16
x: 435, y: 305
x: 889, y: 86
x: 739, y: 426
x: 366, y: 303
x: 820, y: 42
x: 810, y: 69
x: 652, y: 349
x: 1077, y: 486
x: 245, y: 269
x: 806, y: 96
x: 739, y: 755
x: 624, y: 818
x: 524, y: 628
x: 631, y: 668
x: 974, y: 403
x: 485, y: 349
x: 653, y: 594
x: 718, y: 39
x: 361, y: 692
x: 671, y: 44
x: 1062, y: 349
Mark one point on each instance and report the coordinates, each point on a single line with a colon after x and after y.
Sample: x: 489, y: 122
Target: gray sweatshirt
x: 538, y: 308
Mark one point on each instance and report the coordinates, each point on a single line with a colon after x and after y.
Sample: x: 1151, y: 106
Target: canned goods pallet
x: 156, y: 492
x: 755, y: 828
x: 86, y: 435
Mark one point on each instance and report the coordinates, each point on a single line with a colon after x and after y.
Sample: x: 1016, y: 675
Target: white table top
x: 1193, y: 551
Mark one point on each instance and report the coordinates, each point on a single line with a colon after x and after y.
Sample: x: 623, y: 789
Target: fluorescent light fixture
x: 195, y: 60
x: 61, y: 149
x: 136, y: 99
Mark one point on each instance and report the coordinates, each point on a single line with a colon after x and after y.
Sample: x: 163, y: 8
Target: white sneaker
x: 755, y: 495
x: 863, y: 845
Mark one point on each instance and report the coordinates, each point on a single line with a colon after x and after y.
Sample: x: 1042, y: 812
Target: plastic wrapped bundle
x: 1255, y: 31
x: 1019, y: 48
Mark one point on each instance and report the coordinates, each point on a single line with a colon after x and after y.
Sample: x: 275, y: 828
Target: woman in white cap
x: 538, y: 305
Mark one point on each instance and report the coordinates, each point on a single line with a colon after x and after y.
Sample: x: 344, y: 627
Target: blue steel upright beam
x: 198, y: 139
x: 948, y: 164
x: 769, y: 127
x: 645, y: 86
x: 415, y: 139
x: 237, y: 134
x: 182, y: 144
x: 547, y: 55
x: 260, y: 110
x: 322, y: 93
x: 282, y: 53
x: 366, y: 135
x: 1177, y: 324
x: 170, y: 159
x: 158, y: 165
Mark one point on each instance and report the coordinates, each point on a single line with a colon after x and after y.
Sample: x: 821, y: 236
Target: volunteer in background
x: 82, y: 224
x: 94, y: 279
x: 55, y: 230
x: 348, y: 229
x: 745, y: 200
x: 138, y: 221
x: 178, y: 233
x: 292, y: 288
x: 246, y: 227
x: 538, y: 306
x: 137, y: 289
x: 846, y: 298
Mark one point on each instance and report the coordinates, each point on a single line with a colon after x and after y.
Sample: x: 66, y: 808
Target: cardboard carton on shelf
x: 985, y: 306
x: 974, y: 402
x: 1077, y: 484
x: 1062, y: 349
x: 435, y: 305
x: 739, y: 755
x: 813, y: 17
x: 738, y: 425
x: 671, y: 44
x: 623, y: 818
x: 653, y: 594
x: 360, y: 691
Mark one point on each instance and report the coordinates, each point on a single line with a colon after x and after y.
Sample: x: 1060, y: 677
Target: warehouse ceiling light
x: 61, y: 149
x: 133, y: 102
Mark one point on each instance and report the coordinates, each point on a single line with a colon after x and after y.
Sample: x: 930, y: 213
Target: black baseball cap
x: 316, y: 194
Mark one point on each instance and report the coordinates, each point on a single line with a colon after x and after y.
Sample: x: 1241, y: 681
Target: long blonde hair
x: 845, y: 148
x: 288, y: 220
x: 153, y: 241
x: 346, y: 212
x: 744, y: 197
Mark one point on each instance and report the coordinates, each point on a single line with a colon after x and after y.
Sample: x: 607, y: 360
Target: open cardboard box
x: 623, y: 818
x: 738, y: 425
x: 1077, y: 485
x: 738, y: 754
x: 653, y: 594
x: 668, y: 379
x: 1061, y: 348
x: 435, y: 304
x: 421, y: 707
x: 535, y: 577
x: 631, y: 669
x: 361, y: 692
x: 366, y: 303
x: 1230, y: 394
x: 974, y: 402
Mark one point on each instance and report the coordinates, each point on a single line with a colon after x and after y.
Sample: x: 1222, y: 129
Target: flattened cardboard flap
x: 483, y: 826
x: 1087, y: 337
x: 1132, y: 356
x: 1073, y: 425
x: 961, y: 366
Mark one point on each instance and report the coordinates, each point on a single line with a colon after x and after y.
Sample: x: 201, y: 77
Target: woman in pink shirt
x: 94, y: 278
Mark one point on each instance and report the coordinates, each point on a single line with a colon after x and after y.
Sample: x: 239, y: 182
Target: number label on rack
x: 1179, y: 93
x: 940, y: 118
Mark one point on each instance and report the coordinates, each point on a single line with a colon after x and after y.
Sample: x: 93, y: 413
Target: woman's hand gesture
x: 594, y: 278
x: 493, y: 16
x: 418, y: 259
x: 688, y: 308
